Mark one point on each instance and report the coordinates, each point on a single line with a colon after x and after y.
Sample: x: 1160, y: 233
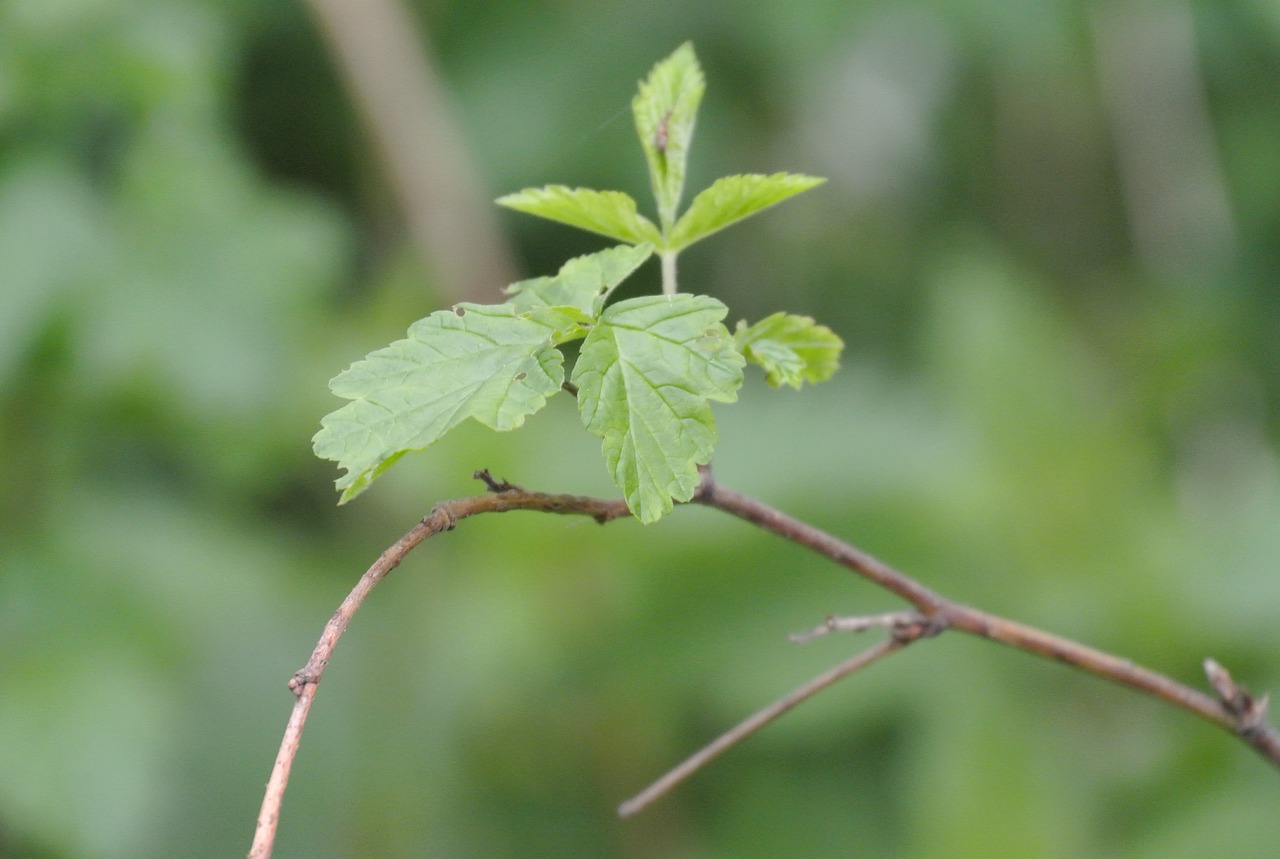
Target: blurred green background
x: 1051, y: 240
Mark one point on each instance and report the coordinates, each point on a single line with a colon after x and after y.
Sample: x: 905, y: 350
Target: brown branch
x: 1235, y: 709
x: 712, y: 494
x: 444, y: 517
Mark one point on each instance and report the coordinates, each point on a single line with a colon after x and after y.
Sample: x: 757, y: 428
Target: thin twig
x: 905, y: 627
x: 861, y: 623
x: 755, y: 722
x: 443, y: 518
x: 975, y: 622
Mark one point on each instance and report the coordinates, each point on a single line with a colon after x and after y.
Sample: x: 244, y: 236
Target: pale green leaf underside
x: 731, y: 199
x: 609, y: 213
x: 475, y: 361
x: 645, y: 376
x: 791, y: 349
x: 583, y: 282
x: 665, y: 109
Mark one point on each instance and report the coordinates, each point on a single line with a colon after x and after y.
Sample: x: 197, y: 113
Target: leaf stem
x: 668, y: 272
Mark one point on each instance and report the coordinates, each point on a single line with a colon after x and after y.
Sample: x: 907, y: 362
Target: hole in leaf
x: 520, y: 377
x: 461, y: 311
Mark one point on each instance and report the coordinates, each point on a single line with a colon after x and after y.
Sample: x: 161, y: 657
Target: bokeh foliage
x: 1041, y: 412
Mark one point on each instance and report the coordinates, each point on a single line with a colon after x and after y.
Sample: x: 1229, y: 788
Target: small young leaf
x: 645, y: 376
x: 665, y: 109
x: 791, y: 349
x: 732, y: 199
x: 475, y: 361
x: 583, y: 282
x: 609, y: 213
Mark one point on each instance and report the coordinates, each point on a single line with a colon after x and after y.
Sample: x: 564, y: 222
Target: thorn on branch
x: 753, y: 723
x: 1250, y: 712
x: 494, y: 484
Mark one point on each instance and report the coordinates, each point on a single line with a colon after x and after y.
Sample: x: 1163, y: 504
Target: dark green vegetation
x: 1059, y: 401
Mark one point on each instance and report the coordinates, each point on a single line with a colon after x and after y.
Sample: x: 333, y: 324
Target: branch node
x: 1250, y: 712
x: 441, y: 512
x: 923, y: 626
x: 1257, y: 716
x: 300, y: 681
x: 493, y: 483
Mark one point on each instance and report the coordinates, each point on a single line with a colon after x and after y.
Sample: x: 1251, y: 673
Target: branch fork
x: 1250, y: 712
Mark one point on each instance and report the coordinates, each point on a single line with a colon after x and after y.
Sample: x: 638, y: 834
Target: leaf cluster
x: 648, y: 368
x: 665, y: 110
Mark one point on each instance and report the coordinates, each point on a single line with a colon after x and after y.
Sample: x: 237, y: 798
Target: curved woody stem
x: 1234, y: 709
x: 446, y: 515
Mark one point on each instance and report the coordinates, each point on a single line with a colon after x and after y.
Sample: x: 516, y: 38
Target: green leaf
x: 583, y: 282
x: 474, y: 361
x: 645, y: 376
x: 665, y: 109
x: 609, y: 213
x: 791, y: 349
x: 731, y: 199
